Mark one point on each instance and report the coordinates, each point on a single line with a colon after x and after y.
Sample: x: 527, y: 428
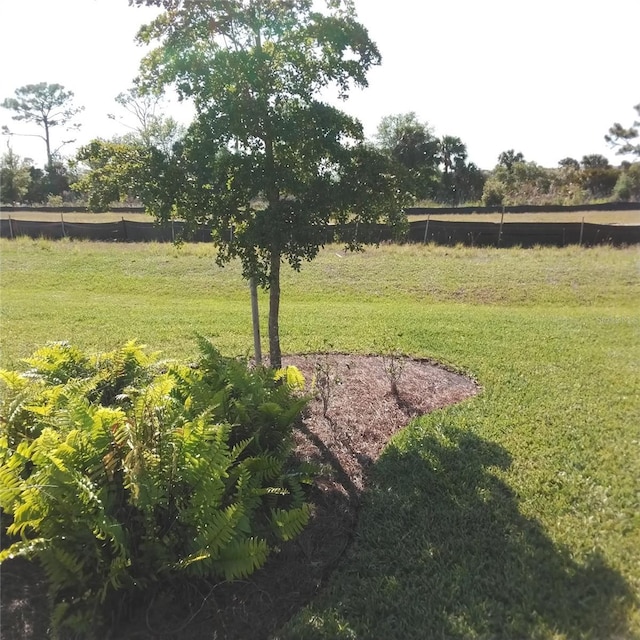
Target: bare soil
x: 363, y: 412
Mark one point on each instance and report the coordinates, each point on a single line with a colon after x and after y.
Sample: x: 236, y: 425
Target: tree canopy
x: 414, y: 147
x: 625, y: 138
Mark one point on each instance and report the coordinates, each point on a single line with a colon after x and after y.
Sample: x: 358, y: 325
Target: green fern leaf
x: 242, y: 557
x: 289, y: 524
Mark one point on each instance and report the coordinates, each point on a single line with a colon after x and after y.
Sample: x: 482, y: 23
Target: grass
x: 593, y: 217
x: 75, y: 216
x: 512, y: 515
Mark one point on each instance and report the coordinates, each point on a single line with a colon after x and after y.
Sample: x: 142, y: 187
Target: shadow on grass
x: 444, y: 552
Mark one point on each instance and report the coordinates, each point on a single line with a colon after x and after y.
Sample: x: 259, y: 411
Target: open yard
x: 515, y: 514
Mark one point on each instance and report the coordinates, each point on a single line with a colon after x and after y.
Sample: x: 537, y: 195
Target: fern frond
x: 289, y: 523
x: 242, y: 557
x: 290, y: 376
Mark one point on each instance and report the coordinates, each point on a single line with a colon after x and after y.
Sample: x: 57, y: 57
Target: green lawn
x: 513, y: 515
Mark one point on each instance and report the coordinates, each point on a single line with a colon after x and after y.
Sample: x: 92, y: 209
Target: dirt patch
x: 362, y: 414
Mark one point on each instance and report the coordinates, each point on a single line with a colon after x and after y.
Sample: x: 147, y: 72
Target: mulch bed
x: 362, y: 414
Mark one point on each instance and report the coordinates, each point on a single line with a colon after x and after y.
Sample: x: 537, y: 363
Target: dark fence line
x: 410, y: 211
x: 479, y: 234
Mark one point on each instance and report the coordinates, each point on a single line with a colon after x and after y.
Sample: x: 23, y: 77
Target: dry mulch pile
x: 362, y: 414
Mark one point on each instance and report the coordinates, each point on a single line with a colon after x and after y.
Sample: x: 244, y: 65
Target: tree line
x: 434, y: 170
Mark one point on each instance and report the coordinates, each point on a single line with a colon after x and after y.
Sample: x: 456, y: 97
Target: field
x: 594, y: 217
x: 512, y: 515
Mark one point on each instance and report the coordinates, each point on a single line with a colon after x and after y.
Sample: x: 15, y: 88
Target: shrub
x: 118, y: 473
x: 628, y: 184
x: 493, y: 194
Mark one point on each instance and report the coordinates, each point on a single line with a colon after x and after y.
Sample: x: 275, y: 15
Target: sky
x: 546, y: 78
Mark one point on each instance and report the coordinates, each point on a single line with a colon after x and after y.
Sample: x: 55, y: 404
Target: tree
x: 569, y: 164
x: 598, y: 177
x: 120, y: 170
x: 413, y: 145
x: 594, y: 161
x: 149, y: 127
x: 623, y: 137
x: 15, y: 177
x: 508, y: 158
x: 255, y: 70
x: 453, y: 157
x: 47, y: 106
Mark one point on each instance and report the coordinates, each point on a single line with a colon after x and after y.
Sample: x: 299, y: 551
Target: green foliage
x: 117, y: 475
x: 118, y: 170
x: 414, y: 147
x: 508, y: 158
x: 493, y: 193
x: 628, y: 185
x: 149, y: 128
x: 15, y: 177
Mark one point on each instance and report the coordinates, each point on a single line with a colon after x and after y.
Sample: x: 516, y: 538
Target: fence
x: 509, y: 234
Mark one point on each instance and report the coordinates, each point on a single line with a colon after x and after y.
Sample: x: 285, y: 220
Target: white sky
x: 546, y: 78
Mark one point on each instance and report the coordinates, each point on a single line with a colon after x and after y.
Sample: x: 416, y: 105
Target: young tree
x: 255, y: 71
x: 623, y: 137
x: 47, y: 106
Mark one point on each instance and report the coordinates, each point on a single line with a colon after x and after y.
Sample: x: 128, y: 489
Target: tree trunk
x: 255, y: 317
x: 48, y: 142
x: 275, y: 355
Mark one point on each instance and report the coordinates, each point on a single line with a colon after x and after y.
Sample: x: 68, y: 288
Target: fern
x: 289, y: 523
x: 117, y: 474
x: 242, y: 557
x: 291, y: 376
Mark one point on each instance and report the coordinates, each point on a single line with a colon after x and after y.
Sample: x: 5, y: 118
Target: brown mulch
x: 362, y: 414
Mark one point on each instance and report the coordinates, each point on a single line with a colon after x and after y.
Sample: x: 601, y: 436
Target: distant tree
x: 569, y: 163
x: 452, y: 150
x: 453, y: 157
x: 623, y: 137
x: 15, y: 177
x: 594, y: 161
x: 413, y: 145
x: 508, y: 158
x: 47, y: 106
x: 598, y: 177
x: 469, y: 182
x: 149, y: 127
x: 117, y: 170
x: 38, y: 191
